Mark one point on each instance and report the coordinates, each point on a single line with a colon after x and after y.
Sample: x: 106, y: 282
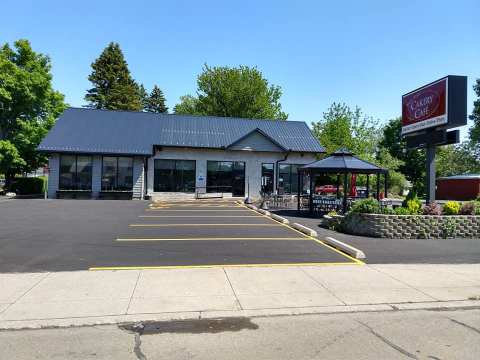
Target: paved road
x: 60, y: 235
x: 402, y: 251
x: 397, y: 335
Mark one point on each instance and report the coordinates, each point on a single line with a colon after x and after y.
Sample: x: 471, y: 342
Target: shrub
x: 332, y: 213
x: 412, y: 195
x: 29, y: 185
x: 402, y: 211
x: 451, y: 208
x: 387, y: 211
x: 477, y: 207
x: 366, y: 206
x: 467, y: 208
x: 414, y: 206
x: 432, y: 209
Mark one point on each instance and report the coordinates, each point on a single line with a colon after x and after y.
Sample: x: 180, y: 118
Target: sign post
x: 430, y: 173
x: 427, y: 113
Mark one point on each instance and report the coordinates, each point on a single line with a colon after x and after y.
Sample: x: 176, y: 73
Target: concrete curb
x: 264, y: 212
x: 253, y: 207
x: 215, y: 314
x: 350, y: 250
x: 279, y: 218
x: 304, y: 229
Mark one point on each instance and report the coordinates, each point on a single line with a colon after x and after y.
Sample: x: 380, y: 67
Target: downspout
x: 276, y: 168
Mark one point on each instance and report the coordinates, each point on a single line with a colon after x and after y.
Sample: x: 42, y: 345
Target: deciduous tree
x: 475, y: 117
x: 343, y: 127
x: 28, y: 107
x: 234, y: 92
x: 413, y: 161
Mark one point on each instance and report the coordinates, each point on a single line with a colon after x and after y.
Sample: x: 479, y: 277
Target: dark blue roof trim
x: 135, y: 133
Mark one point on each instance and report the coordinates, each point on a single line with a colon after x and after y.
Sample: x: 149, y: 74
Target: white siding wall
x: 253, y: 163
x: 138, y: 178
x: 53, y: 175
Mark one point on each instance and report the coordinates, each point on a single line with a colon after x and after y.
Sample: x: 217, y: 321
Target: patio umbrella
x: 353, y: 186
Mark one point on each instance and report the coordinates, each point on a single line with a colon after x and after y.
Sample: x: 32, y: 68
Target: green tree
x: 475, y: 116
x: 396, y: 180
x: 143, y: 95
x: 413, y: 161
x: 113, y: 86
x: 456, y: 160
x: 234, y: 92
x: 156, y: 101
x: 28, y: 107
x: 10, y: 159
x: 188, y: 105
x: 343, y: 127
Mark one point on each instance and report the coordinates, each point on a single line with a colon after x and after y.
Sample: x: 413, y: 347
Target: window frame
x: 75, y: 173
x: 177, y: 175
x: 263, y: 187
x: 290, y: 192
x: 115, y: 189
x: 231, y: 178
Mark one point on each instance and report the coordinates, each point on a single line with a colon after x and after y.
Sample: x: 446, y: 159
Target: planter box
x: 412, y: 226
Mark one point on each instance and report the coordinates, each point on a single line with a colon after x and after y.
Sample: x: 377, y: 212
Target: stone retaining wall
x: 412, y: 226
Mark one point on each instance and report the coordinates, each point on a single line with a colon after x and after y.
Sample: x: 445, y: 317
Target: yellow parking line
x: 168, y: 225
x: 100, y: 268
x: 194, y: 216
x: 210, y: 238
x: 193, y: 210
x: 195, y: 206
x: 359, y: 262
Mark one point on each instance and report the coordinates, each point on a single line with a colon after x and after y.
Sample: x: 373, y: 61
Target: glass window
x: 109, y: 172
x: 117, y: 173
x: 174, y: 176
x: 267, y: 178
x: 67, y: 172
x: 288, y: 178
x: 219, y: 176
x: 185, y: 169
x: 75, y: 172
x: 125, y: 173
x: 226, y: 176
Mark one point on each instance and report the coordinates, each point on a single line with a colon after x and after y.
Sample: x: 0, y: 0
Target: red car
x: 326, y: 189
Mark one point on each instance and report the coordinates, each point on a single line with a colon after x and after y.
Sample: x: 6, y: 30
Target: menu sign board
x: 426, y: 107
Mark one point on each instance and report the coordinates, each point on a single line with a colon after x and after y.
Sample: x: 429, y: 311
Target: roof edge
x: 261, y: 133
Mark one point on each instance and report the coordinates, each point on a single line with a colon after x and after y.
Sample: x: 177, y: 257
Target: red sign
x: 426, y: 107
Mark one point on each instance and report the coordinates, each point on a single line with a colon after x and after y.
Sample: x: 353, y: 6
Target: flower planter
x: 412, y: 226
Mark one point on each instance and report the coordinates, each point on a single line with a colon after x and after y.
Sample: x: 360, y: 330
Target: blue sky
x: 365, y: 53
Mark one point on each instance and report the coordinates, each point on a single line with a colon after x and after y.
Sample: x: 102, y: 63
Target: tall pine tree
x: 113, y: 87
x: 144, y: 96
x: 156, y: 101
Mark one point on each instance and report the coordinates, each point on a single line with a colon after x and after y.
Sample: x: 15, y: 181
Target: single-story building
x: 458, y: 187
x: 102, y: 154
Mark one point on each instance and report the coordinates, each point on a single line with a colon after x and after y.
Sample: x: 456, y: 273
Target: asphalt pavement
x: 400, y: 251
x: 62, y: 235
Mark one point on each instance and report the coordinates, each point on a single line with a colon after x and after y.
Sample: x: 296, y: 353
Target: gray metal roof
x: 128, y: 132
x: 460, y: 177
x: 343, y: 161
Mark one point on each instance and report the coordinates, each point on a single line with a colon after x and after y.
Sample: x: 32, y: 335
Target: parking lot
x: 55, y: 235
